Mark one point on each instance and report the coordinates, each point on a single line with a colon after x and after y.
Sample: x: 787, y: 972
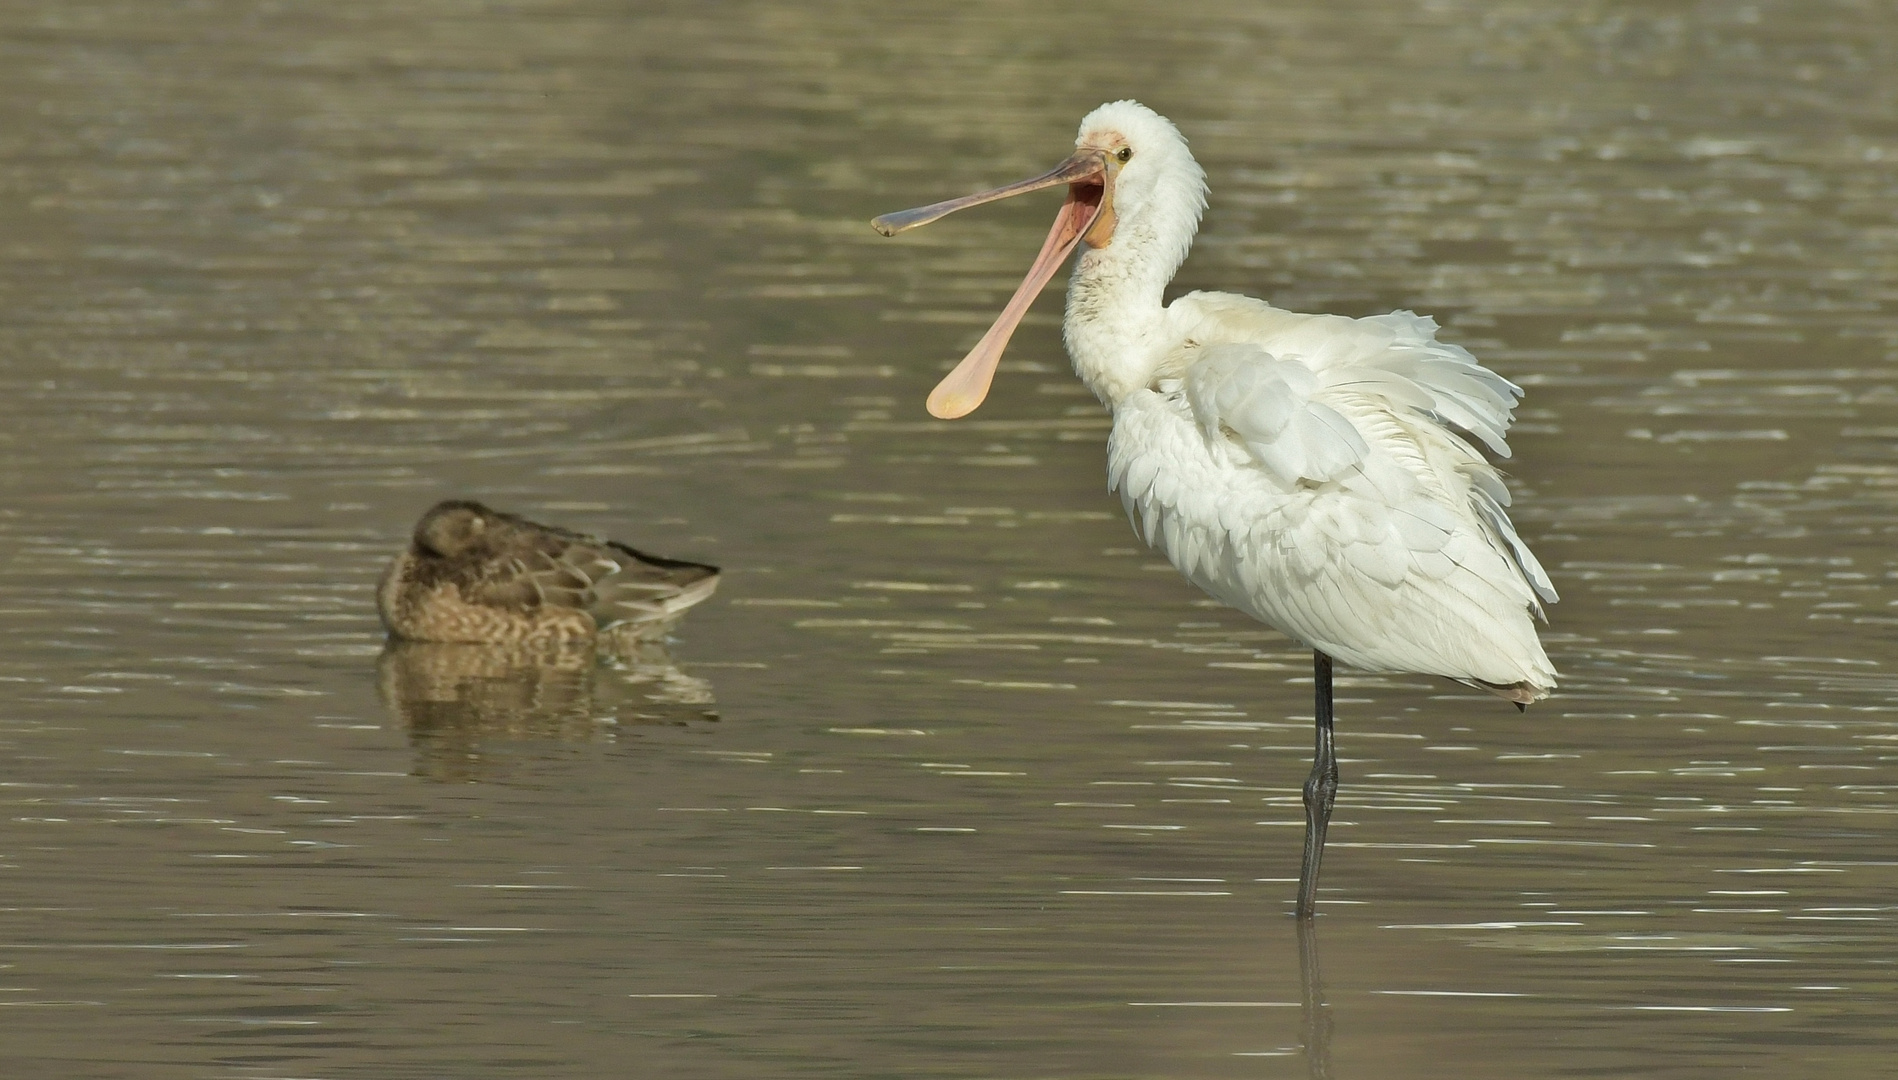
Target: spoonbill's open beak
x: 1087, y: 213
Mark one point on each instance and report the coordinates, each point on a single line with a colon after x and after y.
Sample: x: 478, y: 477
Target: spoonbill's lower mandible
x: 1316, y: 472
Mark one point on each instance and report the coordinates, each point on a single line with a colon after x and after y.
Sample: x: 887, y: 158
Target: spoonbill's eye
x: 1124, y: 153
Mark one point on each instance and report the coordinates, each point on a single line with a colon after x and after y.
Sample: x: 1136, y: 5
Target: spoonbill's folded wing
x: 1278, y: 382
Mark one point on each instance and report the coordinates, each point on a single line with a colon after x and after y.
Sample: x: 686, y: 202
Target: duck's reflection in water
x: 461, y: 702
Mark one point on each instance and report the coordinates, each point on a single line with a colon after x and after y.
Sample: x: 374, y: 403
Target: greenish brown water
x: 951, y: 778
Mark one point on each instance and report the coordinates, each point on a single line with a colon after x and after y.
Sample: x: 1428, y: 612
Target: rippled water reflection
x: 952, y: 778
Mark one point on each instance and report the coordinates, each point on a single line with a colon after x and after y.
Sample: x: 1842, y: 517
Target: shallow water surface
x: 952, y: 777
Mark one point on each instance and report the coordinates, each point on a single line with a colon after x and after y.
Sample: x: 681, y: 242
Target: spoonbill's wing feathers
x: 1269, y: 405
x: 1390, y: 366
x: 1323, y: 474
x: 1371, y: 567
x: 1490, y: 510
x: 1396, y: 357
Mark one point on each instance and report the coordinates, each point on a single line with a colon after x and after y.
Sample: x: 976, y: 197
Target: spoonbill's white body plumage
x: 1314, y: 471
x: 1296, y: 468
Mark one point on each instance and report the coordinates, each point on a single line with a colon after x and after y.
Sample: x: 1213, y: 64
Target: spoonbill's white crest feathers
x: 1319, y: 473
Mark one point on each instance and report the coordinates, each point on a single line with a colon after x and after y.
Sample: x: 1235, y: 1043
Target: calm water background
x: 952, y: 778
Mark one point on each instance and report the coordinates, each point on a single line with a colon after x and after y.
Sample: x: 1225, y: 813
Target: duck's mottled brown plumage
x: 472, y: 574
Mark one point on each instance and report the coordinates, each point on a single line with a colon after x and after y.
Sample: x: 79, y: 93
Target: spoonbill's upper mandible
x: 1316, y: 472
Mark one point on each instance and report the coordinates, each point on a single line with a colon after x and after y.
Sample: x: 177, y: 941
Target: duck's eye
x: 1123, y: 154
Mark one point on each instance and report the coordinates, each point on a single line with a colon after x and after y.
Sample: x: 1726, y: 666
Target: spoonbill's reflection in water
x: 505, y: 629
x: 1316, y: 1010
x: 1317, y: 472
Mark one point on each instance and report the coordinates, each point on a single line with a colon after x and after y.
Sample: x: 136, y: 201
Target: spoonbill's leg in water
x: 1320, y: 787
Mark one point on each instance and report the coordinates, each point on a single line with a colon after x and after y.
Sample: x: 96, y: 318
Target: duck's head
x: 1131, y: 181
x: 452, y: 528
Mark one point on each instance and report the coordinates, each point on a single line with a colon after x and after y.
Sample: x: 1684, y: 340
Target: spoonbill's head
x: 1130, y: 182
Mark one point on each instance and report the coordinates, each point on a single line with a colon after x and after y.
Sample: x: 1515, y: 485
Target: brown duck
x: 472, y: 574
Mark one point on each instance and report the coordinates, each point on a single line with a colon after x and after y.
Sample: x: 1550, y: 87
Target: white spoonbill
x: 1316, y: 472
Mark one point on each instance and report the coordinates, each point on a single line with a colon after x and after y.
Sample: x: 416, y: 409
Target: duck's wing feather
x: 527, y: 566
x: 535, y: 566
x: 649, y: 588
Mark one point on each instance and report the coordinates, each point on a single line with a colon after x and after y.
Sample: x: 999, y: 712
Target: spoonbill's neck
x: 1116, y: 321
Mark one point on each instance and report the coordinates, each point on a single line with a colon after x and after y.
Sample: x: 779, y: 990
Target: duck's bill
x: 1085, y: 173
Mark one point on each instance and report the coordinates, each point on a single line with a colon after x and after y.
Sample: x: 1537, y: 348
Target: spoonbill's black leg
x: 1320, y: 787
